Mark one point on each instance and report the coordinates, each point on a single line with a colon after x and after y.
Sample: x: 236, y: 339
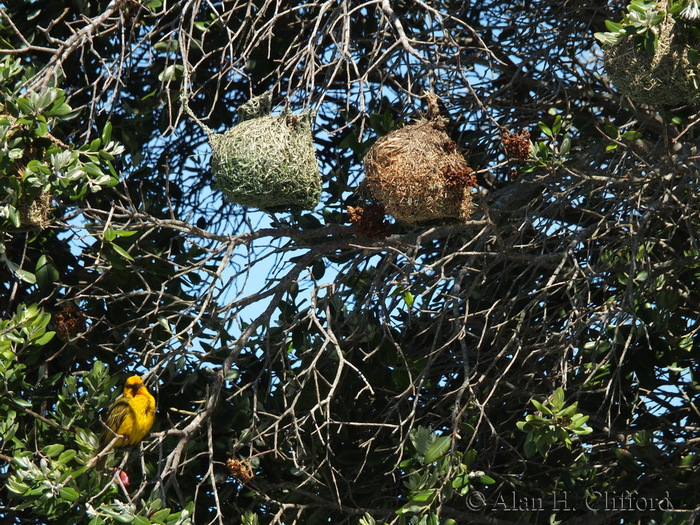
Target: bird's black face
x: 135, y: 387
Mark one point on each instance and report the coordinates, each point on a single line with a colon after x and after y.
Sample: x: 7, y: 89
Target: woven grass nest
x: 267, y: 162
x: 418, y: 175
x: 35, y: 212
x: 666, y: 77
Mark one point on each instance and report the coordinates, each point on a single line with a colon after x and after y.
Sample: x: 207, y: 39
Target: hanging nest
x: 35, y: 213
x: 267, y: 162
x: 419, y: 176
x: 666, y: 77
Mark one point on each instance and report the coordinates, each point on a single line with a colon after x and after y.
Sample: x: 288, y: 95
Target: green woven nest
x: 268, y: 162
x: 666, y: 77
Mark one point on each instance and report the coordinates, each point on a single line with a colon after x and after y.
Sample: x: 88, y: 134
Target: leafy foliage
x: 556, y: 423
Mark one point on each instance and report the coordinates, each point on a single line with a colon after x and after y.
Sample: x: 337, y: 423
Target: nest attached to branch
x: 35, y: 213
x: 417, y: 173
x: 666, y: 77
x: 267, y: 162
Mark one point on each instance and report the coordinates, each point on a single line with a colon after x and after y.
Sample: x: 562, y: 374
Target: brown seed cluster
x: 517, y: 145
x: 369, y: 221
x: 292, y: 121
x: 240, y: 470
x: 460, y: 178
x: 69, y: 321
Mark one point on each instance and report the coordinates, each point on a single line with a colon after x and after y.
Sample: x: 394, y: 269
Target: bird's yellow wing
x: 118, y: 418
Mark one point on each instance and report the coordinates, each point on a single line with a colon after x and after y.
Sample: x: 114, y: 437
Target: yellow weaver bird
x: 131, y: 416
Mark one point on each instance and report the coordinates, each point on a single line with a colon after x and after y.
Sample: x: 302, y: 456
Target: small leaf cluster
x: 35, y: 163
x: 555, y: 422
x: 618, y: 135
x: 555, y: 150
x: 640, y: 22
x: 52, y: 481
x: 149, y: 513
x: 436, y: 474
x: 22, y: 336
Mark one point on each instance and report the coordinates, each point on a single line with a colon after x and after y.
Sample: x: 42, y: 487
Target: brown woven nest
x: 666, y: 77
x: 418, y: 175
x: 35, y: 213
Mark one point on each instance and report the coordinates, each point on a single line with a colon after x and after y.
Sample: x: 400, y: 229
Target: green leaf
x: 608, y: 39
x: 565, y: 145
x: 21, y: 402
x: 438, y: 449
x: 44, y: 339
x: 172, y: 72
x: 66, y: 456
x: 627, y: 461
x: 641, y: 276
x: 140, y: 520
x: 107, y: 133
x: 424, y: 496
x: 109, y: 234
x: 166, y: 46
x: 318, y: 269
x: 542, y: 408
x: 613, y: 27
x: 161, y: 515
x: 567, y: 412
x: 651, y: 42
x: 153, y: 5
x: 530, y: 448
x: 487, y: 480
x: 24, y: 105
x: 688, y: 461
x: 58, y: 111
x: 421, y: 440
x: 27, y: 277
x: 46, y: 273
x: 69, y: 494
x: 631, y: 135
x: 53, y: 450
x: 125, y: 233
x: 558, y: 399
x: 469, y: 457
x: 121, y: 251
x: 95, y: 145
x: 545, y: 129
x: 556, y: 127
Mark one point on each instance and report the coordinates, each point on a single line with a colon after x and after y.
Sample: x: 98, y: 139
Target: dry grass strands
x: 666, y: 77
x: 417, y: 173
